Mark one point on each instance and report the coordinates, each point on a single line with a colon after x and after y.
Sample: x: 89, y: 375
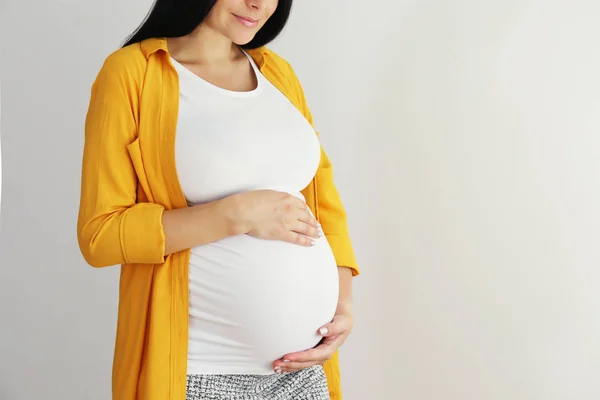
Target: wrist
x: 344, y: 306
x: 231, y: 210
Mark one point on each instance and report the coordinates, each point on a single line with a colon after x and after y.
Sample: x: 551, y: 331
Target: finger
x: 306, y: 230
x: 307, y: 217
x: 334, y: 328
x: 295, y: 203
x: 331, y: 338
x: 291, y: 367
x: 295, y: 238
x: 320, y: 353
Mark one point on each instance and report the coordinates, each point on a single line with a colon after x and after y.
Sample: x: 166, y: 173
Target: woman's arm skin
x: 345, y: 297
x: 334, y: 333
x: 193, y: 226
x: 113, y: 228
x: 264, y: 214
x: 333, y: 218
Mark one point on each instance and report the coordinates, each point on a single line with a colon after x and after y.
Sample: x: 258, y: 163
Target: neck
x: 203, y: 46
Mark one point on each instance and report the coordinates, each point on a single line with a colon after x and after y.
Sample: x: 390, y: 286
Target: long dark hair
x: 176, y: 18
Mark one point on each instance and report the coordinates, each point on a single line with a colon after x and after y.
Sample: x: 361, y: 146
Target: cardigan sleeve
x: 332, y: 214
x: 112, y: 229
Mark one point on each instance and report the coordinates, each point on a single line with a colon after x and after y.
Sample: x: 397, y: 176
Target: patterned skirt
x: 306, y: 384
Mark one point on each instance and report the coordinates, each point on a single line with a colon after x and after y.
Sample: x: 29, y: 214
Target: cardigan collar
x: 153, y: 45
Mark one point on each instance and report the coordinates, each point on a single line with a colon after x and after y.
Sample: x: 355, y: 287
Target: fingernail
x: 278, y: 369
x: 323, y: 331
x: 286, y: 361
x: 313, y: 243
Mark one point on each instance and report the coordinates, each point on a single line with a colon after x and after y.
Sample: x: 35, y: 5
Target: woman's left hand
x: 334, y: 335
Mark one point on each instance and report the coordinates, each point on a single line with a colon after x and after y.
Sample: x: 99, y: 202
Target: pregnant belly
x: 253, y: 300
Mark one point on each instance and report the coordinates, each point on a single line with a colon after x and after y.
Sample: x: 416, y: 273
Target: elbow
x: 93, y: 252
x: 94, y: 260
x: 134, y: 236
x: 93, y: 256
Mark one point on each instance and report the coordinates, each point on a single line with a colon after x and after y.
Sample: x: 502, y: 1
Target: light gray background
x: 466, y: 139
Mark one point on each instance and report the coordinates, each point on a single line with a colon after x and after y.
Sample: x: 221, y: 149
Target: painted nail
x: 323, y: 331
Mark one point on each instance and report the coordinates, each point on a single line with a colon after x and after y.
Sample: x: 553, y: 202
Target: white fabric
x: 251, y: 300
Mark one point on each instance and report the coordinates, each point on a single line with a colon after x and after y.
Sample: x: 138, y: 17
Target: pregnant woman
x: 204, y: 179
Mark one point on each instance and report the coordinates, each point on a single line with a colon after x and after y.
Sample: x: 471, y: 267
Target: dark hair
x: 176, y: 18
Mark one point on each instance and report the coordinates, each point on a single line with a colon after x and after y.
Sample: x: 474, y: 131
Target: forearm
x: 345, y: 294
x: 197, y: 225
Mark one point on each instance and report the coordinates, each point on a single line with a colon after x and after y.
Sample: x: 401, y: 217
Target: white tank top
x: 251, y: 300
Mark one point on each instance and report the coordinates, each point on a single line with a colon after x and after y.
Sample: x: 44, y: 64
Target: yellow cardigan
x: 128, y: 179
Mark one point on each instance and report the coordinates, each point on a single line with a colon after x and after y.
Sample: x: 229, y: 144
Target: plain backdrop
x: 465, y: 136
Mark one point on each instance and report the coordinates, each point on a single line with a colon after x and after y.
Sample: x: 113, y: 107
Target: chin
x: 241, y: 36
x: 242, y: 40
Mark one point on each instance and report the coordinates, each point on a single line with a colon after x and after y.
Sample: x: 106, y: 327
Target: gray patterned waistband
x: 307, y: 384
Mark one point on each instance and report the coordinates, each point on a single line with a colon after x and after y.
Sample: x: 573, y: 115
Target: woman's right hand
x: 274, y: 215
